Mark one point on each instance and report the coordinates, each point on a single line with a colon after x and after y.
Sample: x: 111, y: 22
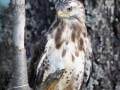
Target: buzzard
x: 66, y: 46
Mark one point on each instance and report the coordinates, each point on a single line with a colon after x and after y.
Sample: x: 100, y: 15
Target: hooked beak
x: 61, y: 14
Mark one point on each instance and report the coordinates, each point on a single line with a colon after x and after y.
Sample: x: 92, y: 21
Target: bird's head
x: 69, y: 8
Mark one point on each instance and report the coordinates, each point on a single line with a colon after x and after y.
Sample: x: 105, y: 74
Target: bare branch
x: 52, y: 80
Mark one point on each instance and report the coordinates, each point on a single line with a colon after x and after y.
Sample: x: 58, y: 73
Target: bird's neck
x: 64, y: 30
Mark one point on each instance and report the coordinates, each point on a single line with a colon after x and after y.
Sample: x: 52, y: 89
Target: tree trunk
x: 19, y: 75
x: 103, y: 24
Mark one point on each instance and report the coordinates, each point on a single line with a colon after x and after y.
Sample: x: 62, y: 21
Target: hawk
x: 66, y: 46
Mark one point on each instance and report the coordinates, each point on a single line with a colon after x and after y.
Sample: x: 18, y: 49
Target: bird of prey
x: 66, y: 46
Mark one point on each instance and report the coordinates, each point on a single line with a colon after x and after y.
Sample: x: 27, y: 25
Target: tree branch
x: 52, y: 80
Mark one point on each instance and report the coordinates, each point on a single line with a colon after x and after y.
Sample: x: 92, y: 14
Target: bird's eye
x: 69, y: 9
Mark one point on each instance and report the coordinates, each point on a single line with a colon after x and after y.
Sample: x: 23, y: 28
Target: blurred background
x: 103, y: 24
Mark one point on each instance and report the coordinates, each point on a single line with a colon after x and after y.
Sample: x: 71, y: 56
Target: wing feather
x: 36, y: 70
x: 34, y: 61
x: 88, y: 64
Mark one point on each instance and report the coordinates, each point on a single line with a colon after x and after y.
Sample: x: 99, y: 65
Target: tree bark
x: 19, y: 75
x: 102, y: 23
